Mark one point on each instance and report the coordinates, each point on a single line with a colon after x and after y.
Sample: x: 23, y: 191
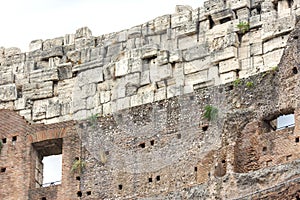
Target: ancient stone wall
x: 79, y: 75
x: 153, y: 84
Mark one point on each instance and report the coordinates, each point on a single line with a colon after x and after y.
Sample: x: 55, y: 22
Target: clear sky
x: 23, y: 21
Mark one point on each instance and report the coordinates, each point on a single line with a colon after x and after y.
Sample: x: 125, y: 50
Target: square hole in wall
x: 78, y: 178
x: 150, y: 180
x: 88, y: 193
x: 4, y: 140
x: 43, y: 198
x: 120, y: 187
x: 79, y: 194
x: 157, y: 178
x: 47, y: 156
x: 14, y: 139
x: 3, y: 169
x: 297, y: 139
x: 152, y: 142
x: 142, y: 145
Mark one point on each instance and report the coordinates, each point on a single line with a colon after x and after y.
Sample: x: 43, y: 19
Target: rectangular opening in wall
x: 285, y: 121
x: 47, y: 160
x: 280, y: 122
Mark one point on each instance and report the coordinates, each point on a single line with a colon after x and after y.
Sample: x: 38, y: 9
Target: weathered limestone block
x: 105, y: 96
x: 162, y: 57
x: 135, y: 64
x: 280, y: 26
x: 135, y: 32
x: 222, y: 16
x: 106, y: 108
x: 243, y: 13
x: 213, y: 6
x: 114, y: 49
x: 54, y: 52
x: 186, y: 41
x: 158, y: 73
x: 11, y: 51
x: 90, y: 76
x: 174, y: 90
x: 26, y: 114
x: 122, y: 36
x: 228, y: 77
x: 8, y: 92
x: 272, y: 59
x: 6, y: 77
x: 236, y: 4
x: 195, y: 78
x: 145, y: 95
x: 123, y: 103
x: 35, y: 45
x: 122, y: 67
x: 213, y: 76
x: 41, y: 75
x: 78, y: 103
x: 73, y: 56
x: 275, y: 43
x: 88, y: 65
x: 119, y: 89
x: 229, y: 65
x: 52, y: 43
x: 175, y: 56
x: 197, y: 65
x: 69, y: 39
x: 53, y: 108
x: 161, y: 24
x: 93, y: 101
x: 188, y: 29
x: 267, y: 6
x: 149, y: 51
x: 81, y: 43
x: 256, y: 48
x: 178, y: 73
x: 196, y: 52
x: 39, y: 109
x: 244, y: 51
x: 255, y: 21
x: 21, y: 78
x: 96, y: 53
x: 181, y: 18
x: 160, y: 94
x: 20, y: 104
x: 64, y: 71
x: 226, y: 41
x: 83, y: 32
x: 229, y: 52
x: 38, y: 90
x: 145, y: 77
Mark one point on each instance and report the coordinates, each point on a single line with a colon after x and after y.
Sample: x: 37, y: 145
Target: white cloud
x: 24, y: 21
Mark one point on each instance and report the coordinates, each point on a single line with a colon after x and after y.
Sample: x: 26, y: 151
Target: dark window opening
x: 47, y: 156
x: 290, y: 3
x: 227, y: 19
x: 228, y: 88
x: 281, y: 122
x: 196, y: 169
x: 157, y: 178
x: 79, y: 194
x: 223, y: 161
x: 204, y: 128
x: 211, y: 22
x: 150, y: 180
x: 43, y: 198
x: 76, y: 158
x: 152, y: 142
x: 264, y: 149
x: 179, y: 136
x: 295, y: 70
x: 4, y: 140
x: 14, y: 139
x: 88, y: 193
x: 3, y: 169
x: 296, y: 37
x: 78, y: 178
x: 142, y: 145
x: 120, y: 187
x: 297, y: 139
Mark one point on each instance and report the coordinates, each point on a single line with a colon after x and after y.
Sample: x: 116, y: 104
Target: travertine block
x: 275, y: 43
x: 8, y: 92
x: 229, y: 65
x: 35, y: 45
x: 197, y: 65
x: 198, y: 77
x: 122, y: 67
x: 272, y: 59
x: 196, y: 52
x: 229, y: 52
x: 90, y: 76
x: 228, y: 77
x: 38, y: 90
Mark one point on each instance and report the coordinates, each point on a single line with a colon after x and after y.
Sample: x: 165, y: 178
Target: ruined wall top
x: 79, y: 75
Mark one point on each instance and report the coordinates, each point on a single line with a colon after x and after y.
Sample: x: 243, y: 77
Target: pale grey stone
x: 8, y: 92
x: 35, y: 45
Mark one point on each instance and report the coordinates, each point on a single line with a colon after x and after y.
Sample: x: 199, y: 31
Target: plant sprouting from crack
x: 210, y: 113
x: 93, y: 119
x: 249, y: 84
x: 78, y: 165
x: 243, y: 27
x: 236, y: 82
